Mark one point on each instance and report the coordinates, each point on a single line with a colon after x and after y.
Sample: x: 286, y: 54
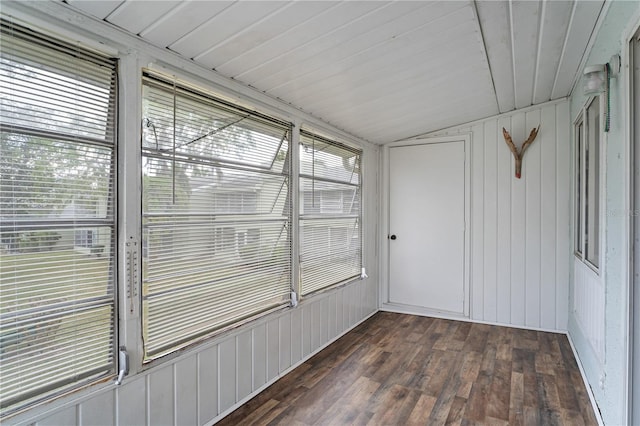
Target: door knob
x: 393, y: 237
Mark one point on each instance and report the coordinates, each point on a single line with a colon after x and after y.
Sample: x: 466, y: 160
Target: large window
x: 587, y: 184
x: 216, y: 215
x: 330, y: 231
x: 57, y: 222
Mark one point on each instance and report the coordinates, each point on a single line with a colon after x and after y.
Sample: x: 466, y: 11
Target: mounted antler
x: 518, y: 155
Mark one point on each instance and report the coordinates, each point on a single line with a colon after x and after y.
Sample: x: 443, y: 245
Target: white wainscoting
x: 520, y: 238
x: 588, y: 306
x: 202, y: 386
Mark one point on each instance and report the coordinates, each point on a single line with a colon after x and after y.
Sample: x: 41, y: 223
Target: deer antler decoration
x: 518, y: 155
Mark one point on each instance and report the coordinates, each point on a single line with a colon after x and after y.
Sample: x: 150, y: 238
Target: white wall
x: 209, y: 380
x: 519, y: 228
x: 202, y: 386
x: 609, y: 377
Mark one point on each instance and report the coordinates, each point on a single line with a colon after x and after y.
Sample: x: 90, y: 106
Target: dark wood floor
x: 402, y: 369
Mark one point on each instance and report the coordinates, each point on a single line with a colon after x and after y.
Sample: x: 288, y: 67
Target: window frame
x: 84, y: 230
x: 583, y: 209
x: 330, y: 215
x: 226, y: 233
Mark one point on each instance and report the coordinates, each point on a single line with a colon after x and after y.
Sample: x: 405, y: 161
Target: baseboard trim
x: 403, y: 309
x: 592, y: 397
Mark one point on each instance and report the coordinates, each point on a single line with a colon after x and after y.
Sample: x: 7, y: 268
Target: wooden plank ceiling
x: 380, y: 70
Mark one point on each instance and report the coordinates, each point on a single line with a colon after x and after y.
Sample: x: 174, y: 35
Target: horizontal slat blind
x: 216, y: 215
x: 330, y: 231
x: 57, y: 224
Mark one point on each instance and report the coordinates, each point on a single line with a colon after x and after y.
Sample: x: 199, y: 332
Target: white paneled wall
x: 202, y: 386
x: 588, y: 306
x: 519, y: 228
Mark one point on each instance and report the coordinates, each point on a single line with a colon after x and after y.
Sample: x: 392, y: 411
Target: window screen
x: 216, y: 215
x: 592, y: 184
x: 587, y: 184
x: 330, y: 232
x: 57, y: 224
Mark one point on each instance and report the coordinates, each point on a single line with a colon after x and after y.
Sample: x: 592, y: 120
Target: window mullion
x: 583, y: 185
x: 295, y: 208
x: 129, y: 219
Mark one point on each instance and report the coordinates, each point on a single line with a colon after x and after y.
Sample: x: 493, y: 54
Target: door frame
x: 384, y: 304
x: 631, y: 112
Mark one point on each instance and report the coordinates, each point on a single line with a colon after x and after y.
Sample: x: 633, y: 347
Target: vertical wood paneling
x: 350, y: 296
x: 589, y: 305
x: 273, y: 348
x: 307, y: 317
x: 296, y: 335
x: 259, y: 356
x: 131, y: 399
x: 186, y: 391
x: 244, y: 355
x: 285, y: 342
x: 520, y: 248
x: 160, y: 391
x: 477, y: 222
x: 227, y: 373
x: 563, y: 209
x: 503, y: 254
x: 315, y: 325
x: 490, y: 215
x: 68, y: 416
x: 531, y: 174
x: 340, y: 307
x: 324, y: 320
x: 518, y: 222
x: 354, y: 303
x: 332, y: 316
x: 99, y: 410
x: 196, y: 388
x: 548, y: 219
x: 207, y: 384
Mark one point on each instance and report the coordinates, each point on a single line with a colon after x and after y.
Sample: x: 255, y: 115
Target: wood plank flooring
x: 399, y: 369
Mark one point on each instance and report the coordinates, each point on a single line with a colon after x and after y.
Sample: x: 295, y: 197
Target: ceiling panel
x: 98, y: 8
x: 260, y: 32
x: 135, y: 15
x: 182, y: 20
x: 381, y: 70
x: 326, y: 31
x: 525, y: 25
x: 553, y: 29
x: 583, y: 20
x: 495, y: 20
x: 224, y: 25
x: 377, y: 41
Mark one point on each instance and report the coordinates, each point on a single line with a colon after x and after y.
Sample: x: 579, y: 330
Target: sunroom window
x: 587, y: 184
x: 216, y: 215
x: 57, y: 221
x: 330, y: 231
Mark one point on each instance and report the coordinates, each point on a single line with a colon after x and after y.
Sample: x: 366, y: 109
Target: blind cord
x: 173, y: 161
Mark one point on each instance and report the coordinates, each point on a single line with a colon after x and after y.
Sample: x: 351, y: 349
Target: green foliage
x: 37, y: 241
x: 41, y: 176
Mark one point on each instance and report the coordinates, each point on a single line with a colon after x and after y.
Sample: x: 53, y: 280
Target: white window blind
x: 330, y: 231
x: 216, y: 215
x: 57, y: 223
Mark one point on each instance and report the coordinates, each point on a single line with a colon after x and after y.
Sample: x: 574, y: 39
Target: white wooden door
x: 426, y: 224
